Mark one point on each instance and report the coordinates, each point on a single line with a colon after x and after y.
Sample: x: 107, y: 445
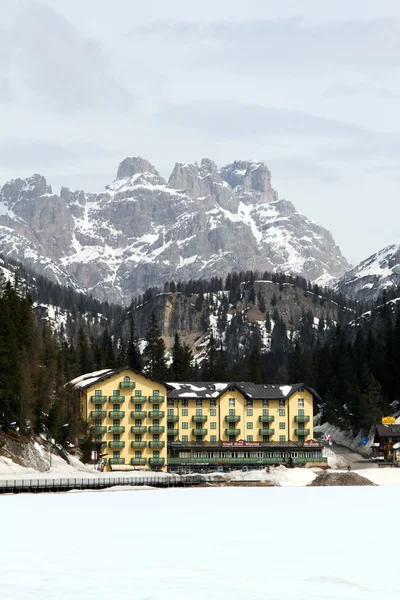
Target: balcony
x: 156, y: 414
x: 138, y: 399
x: 116, y: 399
x: 199, y: 431
x: 138, y: 429
x: 156, y: 429
x: 127, y: 384
x: 116, y: 461
x: 199, y: 419
x: 232, y: 431
x: 266, y: 419
x: 116, y: 414
x: 156, y: 444
x: 98, y: 399
x: 301, y: 418
x: 232, y: 418
x: 172, y: 431
x: 139, y: 414
x: 138, y: 444
x: 157, y: 399
x: 98, y: 429
x: 116, y: 429
x: 138, y: 461
x: 301, y: 432
x: 116, y: 445
x: 266, y: 431
x: 98, y: 414
x: 156, y: 462
x: 172, y: 418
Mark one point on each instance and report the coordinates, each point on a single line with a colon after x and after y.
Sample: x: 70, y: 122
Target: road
x: 356, y: 461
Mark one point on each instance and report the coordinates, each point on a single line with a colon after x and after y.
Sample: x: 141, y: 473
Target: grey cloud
x: 360, y: 89
x: 285, y: 45
x: 44, y: 53
x: 226, y: 119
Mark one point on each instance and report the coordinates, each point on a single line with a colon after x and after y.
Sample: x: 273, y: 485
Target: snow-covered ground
x: 217, y: 543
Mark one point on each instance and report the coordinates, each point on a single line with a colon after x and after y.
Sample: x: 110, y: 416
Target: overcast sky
x: 310, y: 87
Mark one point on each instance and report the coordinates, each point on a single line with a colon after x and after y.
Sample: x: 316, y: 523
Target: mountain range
x: 143, y: 230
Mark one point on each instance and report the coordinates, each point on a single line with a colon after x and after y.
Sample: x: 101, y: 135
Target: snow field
x: 216, y: 543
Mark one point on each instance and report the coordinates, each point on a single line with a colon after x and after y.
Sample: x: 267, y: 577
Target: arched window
x: 127, y: 378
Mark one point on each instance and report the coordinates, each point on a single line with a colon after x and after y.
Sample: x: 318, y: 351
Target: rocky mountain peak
x: 250, y: 176
x: 25, y: 189
x: 134, y: 165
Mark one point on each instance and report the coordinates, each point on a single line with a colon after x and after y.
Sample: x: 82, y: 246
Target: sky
x: 311, y: 88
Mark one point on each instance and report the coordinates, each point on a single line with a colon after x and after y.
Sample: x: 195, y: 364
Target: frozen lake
x: 213, y: 544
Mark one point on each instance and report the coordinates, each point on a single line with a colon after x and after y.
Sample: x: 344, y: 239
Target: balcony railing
x: 138, y: 429
x: 156, y: 414
x: 156, y: 444
x: 116, y: 414
x: 139, y: 414
x: 98, y: 399
x: 232, y: 431
x: 172, y: 431
x: 100, y: 429
x: 156, y: 462
x: 172, y: 418
x: 266, y: 431
x: 266, y: 419
x: 156, y: 429
x: 116, y: 399
x: 116, y: 444
x: 232, y: 418
x: 139, y: 399
x: 301, y: 432
x: 138, y: 444
x: 158, y: 399
x: 116, y: 429
x: 301, y: 418
x: 116, y: 461
x: 199, y: 431
x: 98, y: 414
x: 199, y: 418
x: 138, y: 461
x: 127, y: 384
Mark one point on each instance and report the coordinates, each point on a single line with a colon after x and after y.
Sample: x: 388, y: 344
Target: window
x: 249, y: 425
x: 156, y: 407
x: 282, y: 438
x: 156, y: 393
x: 249, y: 403
x: 98, y: 393
x: 282, y: 403
x: 170, y: 412
x: 138, y: 407
x: 156, y: 454
x: 265, y: 412
x: 116, y: 422
x: 138, y: 454
x: 249, y: 438
x: 170, y: 402
x: 98, y: 437
x: 185, y: 438
x: 231, y: 401
x: 156, y: 422
x: 199, y: 402
x: 115, y: 392
x: 126, y: 378
x: 265, y: 403
x: 282, y: 425
x: 138, y: 422
x: 98, y: 407
x: 97, y: 422
x: 199, y: 412
x: 300, y: 402
x: 213, y: 425
x: 185, y: 425
x: 281, y: 412
x: 231, y: 412
x: 116, y: 454
x: 213, y: 438
x: 185, y: 412
x: 116, y: 407
x: 156, y: 437
x: 249, y: 412
x: 185, y: 402
x: 116, y: 437
x: 213, y: 412
x: 301, y: 412
x: 138, y: 437
x: 213, y: 403
x: 138, y: 392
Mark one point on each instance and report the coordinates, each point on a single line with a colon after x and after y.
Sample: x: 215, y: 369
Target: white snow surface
x: 47, y: 542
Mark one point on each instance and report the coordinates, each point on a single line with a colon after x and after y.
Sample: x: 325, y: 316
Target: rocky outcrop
x: 143, y: 231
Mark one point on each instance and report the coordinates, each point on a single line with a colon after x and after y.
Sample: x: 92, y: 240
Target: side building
x: 141, y: 423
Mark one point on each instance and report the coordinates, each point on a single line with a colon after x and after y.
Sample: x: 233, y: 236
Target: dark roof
x: 197, y: 389
x: 388, y: 430
x: 112, y: 372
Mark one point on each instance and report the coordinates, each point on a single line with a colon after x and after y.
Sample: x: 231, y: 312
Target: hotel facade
x: 140, y: 423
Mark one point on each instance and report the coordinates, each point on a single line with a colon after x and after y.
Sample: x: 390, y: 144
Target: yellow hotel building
x: 140, y: 423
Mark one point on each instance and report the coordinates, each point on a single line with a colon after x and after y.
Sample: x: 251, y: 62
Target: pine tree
x: 134, y: 358
x: 154, y: 352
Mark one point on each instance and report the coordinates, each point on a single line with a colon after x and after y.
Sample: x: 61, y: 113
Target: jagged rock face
x: 143, y: 231
x: 368, y: 279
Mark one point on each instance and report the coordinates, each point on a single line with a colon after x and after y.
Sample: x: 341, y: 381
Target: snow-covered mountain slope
x: 368, y: 279
x: 143, y: 231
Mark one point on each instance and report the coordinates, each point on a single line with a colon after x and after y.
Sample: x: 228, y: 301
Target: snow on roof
x: 88, y: 378
x: 285, y: 389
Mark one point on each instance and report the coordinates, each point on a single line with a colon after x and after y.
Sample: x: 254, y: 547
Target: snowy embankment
x: 346, y: 438
x: 307, y: 543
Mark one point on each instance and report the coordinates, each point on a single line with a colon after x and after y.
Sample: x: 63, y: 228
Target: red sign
x: 241, y: 444
x: 311, y: 443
